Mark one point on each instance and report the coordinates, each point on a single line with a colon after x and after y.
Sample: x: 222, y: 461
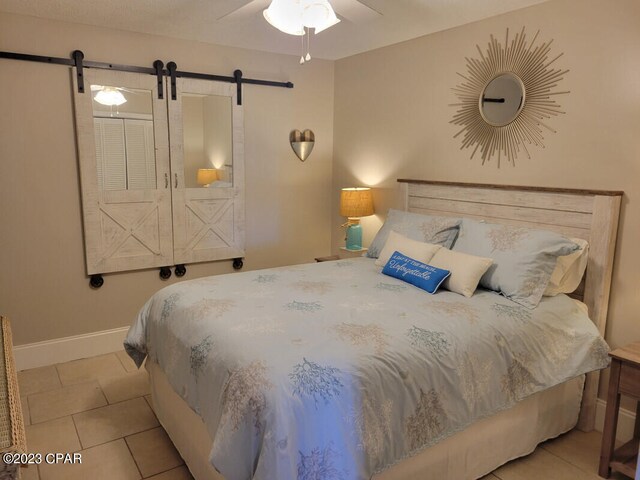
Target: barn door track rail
x: 77, y: 60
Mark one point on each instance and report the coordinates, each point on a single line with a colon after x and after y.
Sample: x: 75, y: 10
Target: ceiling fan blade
x: 96, y: 88
x: 354, y: 10
x: 128, y: 90
x: 247, y: 10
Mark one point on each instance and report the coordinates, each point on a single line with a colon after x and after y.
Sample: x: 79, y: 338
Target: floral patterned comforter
x: 334, y: 371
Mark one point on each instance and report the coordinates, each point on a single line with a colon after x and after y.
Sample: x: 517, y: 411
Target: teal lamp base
x: 354, y: 235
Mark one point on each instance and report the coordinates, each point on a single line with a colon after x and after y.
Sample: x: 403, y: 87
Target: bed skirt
x: 469, y: 454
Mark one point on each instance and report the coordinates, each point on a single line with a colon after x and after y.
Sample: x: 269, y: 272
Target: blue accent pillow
x: 414, y: 272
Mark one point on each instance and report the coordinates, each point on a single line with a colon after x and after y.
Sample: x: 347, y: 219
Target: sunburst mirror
x: 507, y: 96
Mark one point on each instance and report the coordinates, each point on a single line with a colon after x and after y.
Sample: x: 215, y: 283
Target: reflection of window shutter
x: 110, y: 153
x: 150, y: 154
x: 141, y: 168
x: 97, y: 132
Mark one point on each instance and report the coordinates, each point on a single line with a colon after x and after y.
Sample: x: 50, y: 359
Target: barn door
x: 207, y: 171
x: 123, y: 147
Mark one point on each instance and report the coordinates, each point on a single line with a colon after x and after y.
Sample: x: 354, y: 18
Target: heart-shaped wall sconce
x: 302, y: 143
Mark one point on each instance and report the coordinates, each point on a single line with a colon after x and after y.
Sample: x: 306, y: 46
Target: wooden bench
x: 12, y: 436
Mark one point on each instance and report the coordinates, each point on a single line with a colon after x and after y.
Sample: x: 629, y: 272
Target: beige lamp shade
x: 207, y: 176
x: 356, y: 202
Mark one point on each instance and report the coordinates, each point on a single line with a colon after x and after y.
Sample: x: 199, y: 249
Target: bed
x: 334, y: 371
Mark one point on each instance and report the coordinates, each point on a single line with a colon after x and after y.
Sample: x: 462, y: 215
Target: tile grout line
x: 63, y: 385
x: 567, y: 461
x: 112, y: 405
x: 27, y: 417
x: 27, y: 395
x: 170, y: 441
x: 69, y: 414
x: 124, y: 437
x: 89, y: 409
x: 132, y: 456
x: 121, y: 362
x: 116, y: 439
x: 55, y: 365
x: 42, y: 391
x: 165, y: 471
x: 77, y: 432
x: 118, y: 361
x: 150, y: 405
x: 28, y: 406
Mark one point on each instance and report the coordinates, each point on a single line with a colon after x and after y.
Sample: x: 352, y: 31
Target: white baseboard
x: 61, y: 350
x: 626, y: 421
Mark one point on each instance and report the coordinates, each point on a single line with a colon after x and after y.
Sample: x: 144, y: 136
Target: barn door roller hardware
x: 158, y: 65
x: 238, y: 79
x: 77, y: 60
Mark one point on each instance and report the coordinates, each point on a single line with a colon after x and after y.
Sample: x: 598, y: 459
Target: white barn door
x: 206, y: 129
x: 124, y: 169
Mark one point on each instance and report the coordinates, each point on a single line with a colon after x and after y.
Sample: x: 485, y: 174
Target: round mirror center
x: 502, y: 99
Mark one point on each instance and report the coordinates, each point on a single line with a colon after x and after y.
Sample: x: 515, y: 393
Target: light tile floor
x: 101, y: 407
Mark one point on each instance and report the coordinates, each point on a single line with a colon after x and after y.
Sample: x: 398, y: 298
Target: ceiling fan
x: 298, y: 17
x: 355, y: 11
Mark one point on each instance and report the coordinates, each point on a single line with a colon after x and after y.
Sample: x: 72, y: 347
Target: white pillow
x: 420, y: 251
x: 466, y: 270
x: 569, y: 270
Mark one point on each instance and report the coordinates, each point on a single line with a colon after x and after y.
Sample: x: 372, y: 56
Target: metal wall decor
x: 302, y: 143
x: 506, y: 98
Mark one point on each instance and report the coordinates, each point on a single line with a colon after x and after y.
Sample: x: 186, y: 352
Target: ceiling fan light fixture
x: 110, y: 96
x: 285, y: 15
x: 318, y: 14
x: 293, y: 16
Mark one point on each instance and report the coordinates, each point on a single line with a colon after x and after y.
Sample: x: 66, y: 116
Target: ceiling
x: 386, y: 21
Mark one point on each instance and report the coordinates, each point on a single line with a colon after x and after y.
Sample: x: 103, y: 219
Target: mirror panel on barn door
x: 122, y: 137
x: 207, y: 167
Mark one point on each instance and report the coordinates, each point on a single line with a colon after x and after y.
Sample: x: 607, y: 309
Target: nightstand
x: 345, y: 253
x: 624, y: 380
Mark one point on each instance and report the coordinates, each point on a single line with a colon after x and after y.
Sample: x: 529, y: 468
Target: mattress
x: 333, y: 369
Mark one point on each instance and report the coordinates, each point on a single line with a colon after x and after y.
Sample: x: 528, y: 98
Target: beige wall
x: 390, y: 120
x: 392, y: 112
x: 43, y: 287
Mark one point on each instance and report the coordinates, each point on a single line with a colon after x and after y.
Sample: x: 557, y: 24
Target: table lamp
x: 206, y: 176
x: 355, y: 203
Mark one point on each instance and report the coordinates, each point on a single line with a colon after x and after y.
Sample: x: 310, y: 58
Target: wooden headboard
x: 588, y: 214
